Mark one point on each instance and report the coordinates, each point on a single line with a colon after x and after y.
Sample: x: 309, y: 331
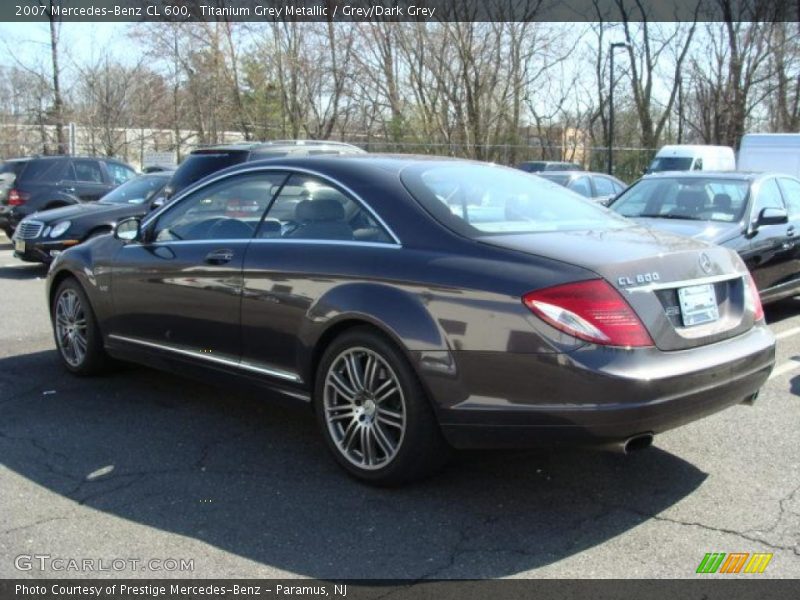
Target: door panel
x: 771, y: 254
x: 183, y: 288
x: 87, y: 180
x: 313, y: 238
x: 170, y: 294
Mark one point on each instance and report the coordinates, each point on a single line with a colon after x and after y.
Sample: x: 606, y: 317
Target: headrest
x: 722, y: 201
x: 319, y: 210
x: 695, y: 199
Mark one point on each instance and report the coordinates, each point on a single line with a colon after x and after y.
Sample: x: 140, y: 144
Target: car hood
x: 707, y: 231
x: 107, y: 212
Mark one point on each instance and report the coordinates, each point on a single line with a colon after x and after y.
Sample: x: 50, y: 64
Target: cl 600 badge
x: 639, y: 279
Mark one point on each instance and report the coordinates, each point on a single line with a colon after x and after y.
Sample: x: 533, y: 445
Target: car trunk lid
x: 649, y: 268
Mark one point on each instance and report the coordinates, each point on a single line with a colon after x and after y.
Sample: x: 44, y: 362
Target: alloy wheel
x: 71, y: 330
x: 365, y: 410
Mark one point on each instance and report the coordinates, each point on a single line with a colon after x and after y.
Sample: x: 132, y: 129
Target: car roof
x: 386, y: 162
x: 743, y: 175
x: 574, y: 172
x: 274, y: 144
x: 62, y: 157
x: 341, y: 164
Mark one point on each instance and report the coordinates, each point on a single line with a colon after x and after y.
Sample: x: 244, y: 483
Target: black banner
x: 399, y: 10
x: 303, y: 589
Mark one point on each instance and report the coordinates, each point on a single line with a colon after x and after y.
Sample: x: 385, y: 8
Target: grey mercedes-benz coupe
x: 421, y: 304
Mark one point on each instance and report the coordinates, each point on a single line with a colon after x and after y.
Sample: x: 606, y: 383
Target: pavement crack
x: 34, y: 524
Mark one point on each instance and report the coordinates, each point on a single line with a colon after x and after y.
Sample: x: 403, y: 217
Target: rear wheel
x: 373, y: 411
x: 78, y: 338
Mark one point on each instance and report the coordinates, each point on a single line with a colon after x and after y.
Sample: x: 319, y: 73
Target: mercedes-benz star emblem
x: 705, y: 262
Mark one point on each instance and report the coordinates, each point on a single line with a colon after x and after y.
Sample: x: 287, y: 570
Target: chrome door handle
x: 219, y: 257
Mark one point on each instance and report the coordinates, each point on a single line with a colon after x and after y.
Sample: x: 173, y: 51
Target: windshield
x: 136, y: 191
x: 691, y: 198
x: 478, y: 199
x: 559, y: 179
x: 671, y: 163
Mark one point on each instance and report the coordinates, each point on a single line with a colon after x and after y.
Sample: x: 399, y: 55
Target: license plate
x: 19, y: 246
x: 698, y: 304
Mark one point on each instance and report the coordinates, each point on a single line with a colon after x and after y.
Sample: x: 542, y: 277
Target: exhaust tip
x: 637, y: 443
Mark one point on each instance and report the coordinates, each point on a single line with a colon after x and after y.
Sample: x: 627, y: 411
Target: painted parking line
x: 787, y: 333
x: 785, y: 367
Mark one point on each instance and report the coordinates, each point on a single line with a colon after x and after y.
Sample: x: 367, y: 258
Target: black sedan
x: 418, y: 305
x: 756, y: 214
x: 46, y: 234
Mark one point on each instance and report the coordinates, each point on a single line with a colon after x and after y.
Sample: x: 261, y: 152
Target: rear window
x: 478, y: 200
x: 559, y: 179
x: 13, y: 166
x: 198, y: 165
x: 671, y: 163
x: 531, y: 167
x: 45, y: 170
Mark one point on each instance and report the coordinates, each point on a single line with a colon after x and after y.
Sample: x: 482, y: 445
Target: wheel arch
x: 396, y: 314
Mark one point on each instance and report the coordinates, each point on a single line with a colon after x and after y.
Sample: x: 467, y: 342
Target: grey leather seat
x: 321, y: 219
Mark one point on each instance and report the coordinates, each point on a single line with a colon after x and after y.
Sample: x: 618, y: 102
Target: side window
x: 698, y: 165
x: 119, y: 173
x: 618, y: 189
x: 769, y: 196
x: 228, y: 210
x: 791, y: 193
x: 604, y: 186
x: 582, y: 186
x: 88, y: 170
x: 309, y: 208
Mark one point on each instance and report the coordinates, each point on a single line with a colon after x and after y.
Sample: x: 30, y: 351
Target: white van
x: 774, y: 152
x: 688, y: 157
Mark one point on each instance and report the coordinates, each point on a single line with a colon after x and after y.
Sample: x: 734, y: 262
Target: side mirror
x: 772, y: 216
x: 158, y: 202
x: 128, y: 230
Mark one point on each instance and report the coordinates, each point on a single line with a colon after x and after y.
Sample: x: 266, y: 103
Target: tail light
x: 17, y: 198
x: 752, y: 299
x: 590, y: 310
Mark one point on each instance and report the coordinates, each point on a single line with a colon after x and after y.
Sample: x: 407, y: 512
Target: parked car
x: 536, y: 166
x: 775, y: 152
x: 418, y: 304
x: 599, y: 187
x: 756, y: 214
x: 44, y: 235
x: 207, y: 160
x: 689, y: 157
x: 45, y: 182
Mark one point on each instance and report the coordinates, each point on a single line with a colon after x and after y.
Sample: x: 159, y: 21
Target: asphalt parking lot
x: 141, y: 465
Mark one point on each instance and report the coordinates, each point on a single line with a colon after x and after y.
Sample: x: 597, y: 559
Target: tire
x: 78, y: 338
x: 367, y: 396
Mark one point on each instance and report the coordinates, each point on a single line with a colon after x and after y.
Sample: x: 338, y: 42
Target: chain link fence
x: 134, y: 145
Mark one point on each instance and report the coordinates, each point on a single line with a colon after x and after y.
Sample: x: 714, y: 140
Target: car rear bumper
x: 594, y: 396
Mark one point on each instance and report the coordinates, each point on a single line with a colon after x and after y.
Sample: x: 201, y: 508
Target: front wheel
x: 78, y: 337
x: 373, y: 411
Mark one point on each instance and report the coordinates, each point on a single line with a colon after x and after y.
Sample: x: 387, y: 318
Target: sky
x: 28, y: 42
